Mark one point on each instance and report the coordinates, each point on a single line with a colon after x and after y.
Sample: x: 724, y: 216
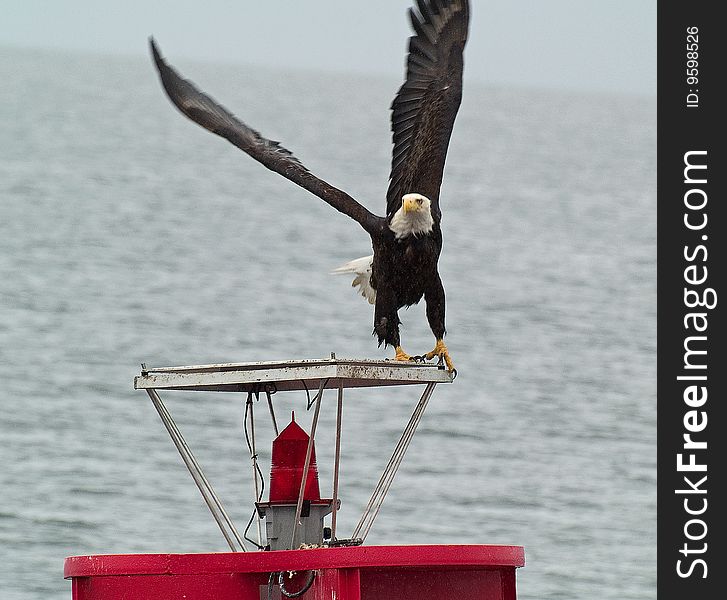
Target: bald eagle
x: 408, y: 240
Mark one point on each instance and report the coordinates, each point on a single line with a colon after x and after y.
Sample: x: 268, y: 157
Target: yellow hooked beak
x: 410, y: 204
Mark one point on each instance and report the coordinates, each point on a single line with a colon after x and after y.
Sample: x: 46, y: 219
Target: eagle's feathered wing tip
x: 166, y: 72
x: 155, y: 50
x: 425, y: 107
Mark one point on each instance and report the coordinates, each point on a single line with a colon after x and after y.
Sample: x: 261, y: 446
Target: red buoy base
x: 477, y: 572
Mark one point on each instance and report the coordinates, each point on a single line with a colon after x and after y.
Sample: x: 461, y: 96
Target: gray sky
x: 568, y: 44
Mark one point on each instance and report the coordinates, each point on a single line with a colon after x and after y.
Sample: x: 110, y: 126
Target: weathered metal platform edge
x: 291, y: 375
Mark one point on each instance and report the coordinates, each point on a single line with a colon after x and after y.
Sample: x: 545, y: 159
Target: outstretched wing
x: 424, y: 110
x: 204, y: 111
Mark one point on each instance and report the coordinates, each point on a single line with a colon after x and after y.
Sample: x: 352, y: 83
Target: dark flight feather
x: 204, y: 111
x: 429, y: 97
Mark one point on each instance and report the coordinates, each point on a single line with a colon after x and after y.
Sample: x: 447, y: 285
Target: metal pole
x: 424, y: 401
x: 337, y: 461
x: 306, y: 465
x: 208, y: 494
x: 387, y: 477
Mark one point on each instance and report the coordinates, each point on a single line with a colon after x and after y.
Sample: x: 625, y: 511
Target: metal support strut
x: 337, y: 461
x: 382, y: 487
x: 208, y: 494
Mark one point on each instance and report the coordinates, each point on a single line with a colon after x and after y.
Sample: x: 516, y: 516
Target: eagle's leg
x: 386, y: 323
x: 434, y: 297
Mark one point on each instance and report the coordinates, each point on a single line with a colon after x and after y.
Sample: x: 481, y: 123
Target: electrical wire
x: 256, y: 472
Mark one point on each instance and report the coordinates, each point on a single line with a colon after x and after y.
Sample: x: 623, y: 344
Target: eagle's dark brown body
x: 404, y: 267
x: 404, y: 271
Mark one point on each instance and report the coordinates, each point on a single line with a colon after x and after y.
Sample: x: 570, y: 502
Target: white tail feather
x: 361, y: 267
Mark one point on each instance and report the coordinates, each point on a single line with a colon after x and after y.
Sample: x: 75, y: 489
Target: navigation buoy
x: 300, y: 563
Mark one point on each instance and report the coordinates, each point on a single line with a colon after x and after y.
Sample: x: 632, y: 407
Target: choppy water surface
x: 129, y: 235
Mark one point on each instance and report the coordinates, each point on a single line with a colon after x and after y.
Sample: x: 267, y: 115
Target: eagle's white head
x: 413, y: 218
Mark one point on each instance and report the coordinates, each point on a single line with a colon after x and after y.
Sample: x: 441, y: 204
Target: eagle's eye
x: 419, y: 201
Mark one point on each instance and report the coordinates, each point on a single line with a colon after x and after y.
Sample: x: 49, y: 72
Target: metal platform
x: 268, y: 377
x: 333, y: 373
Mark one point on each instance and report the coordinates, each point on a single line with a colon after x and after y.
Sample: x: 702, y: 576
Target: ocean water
x: 129, y: 235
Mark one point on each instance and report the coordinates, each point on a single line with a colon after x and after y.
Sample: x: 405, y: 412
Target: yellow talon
x: 401, y: 355
x: 440, y: 349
